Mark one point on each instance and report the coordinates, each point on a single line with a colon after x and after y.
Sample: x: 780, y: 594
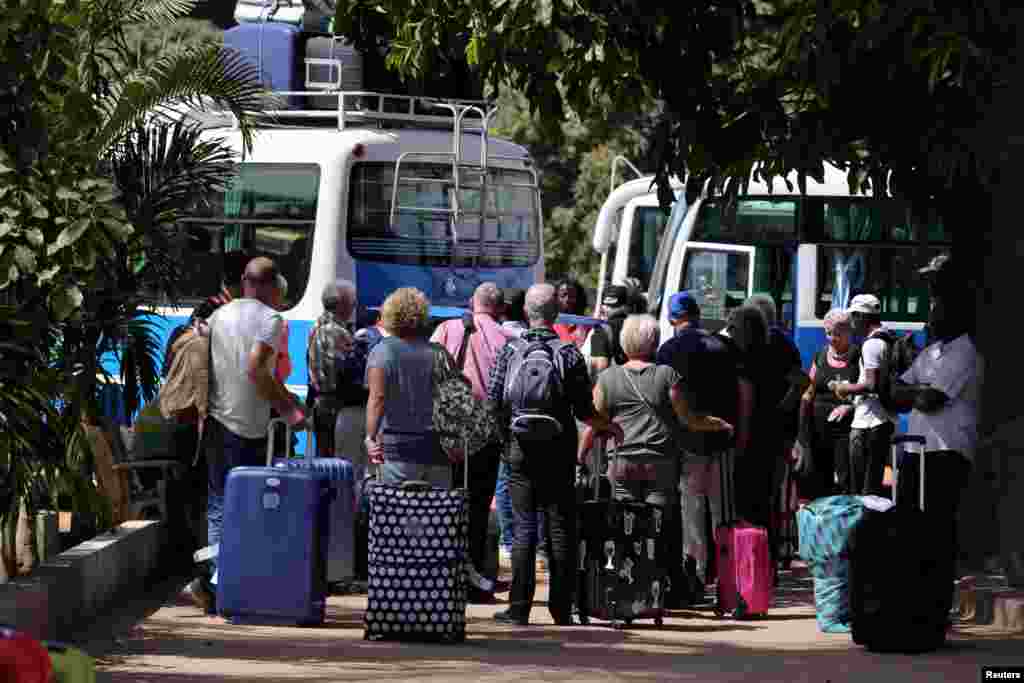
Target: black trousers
x: 830, y: 461
x: 542, y: 478
x: 483, y: 478
x: 870, y: 450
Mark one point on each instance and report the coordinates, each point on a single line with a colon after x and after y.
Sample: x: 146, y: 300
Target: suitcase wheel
x: 659, y: 621
x: 584, y: 620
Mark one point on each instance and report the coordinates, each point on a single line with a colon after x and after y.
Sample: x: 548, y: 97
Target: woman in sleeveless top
x: 647, y: 401
x: 825, y: 420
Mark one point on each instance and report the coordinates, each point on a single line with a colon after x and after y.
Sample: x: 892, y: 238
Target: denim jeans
x: 397, y: 472
x: 506, y: 520
x: 225, y: 450
x: 543, y: 480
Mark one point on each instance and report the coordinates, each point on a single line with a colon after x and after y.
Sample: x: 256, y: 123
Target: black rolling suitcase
x: 900, y: 572
x: 621, y: 577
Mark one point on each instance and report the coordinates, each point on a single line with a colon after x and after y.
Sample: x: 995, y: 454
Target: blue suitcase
x: 272, y: 565
x: 341, y: 542
x: 274, y: 49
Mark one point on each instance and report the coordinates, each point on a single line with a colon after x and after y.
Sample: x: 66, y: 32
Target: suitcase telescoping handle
x: 598, y: 447
x: 271, y: 427
x: 310, y: 453
x: 909, y: 443
x: 726, y: 460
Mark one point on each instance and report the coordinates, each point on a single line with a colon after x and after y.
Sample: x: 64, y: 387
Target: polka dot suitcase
x: 416, y: 563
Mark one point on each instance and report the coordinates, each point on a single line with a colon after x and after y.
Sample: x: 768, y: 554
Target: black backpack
x: 534, y: 389
x: 901, y: 352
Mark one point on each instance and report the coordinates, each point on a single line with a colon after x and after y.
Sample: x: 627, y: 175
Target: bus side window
x: 888, y: 272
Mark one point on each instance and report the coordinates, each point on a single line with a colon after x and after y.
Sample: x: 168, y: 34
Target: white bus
x: 811, y: 252
x: 395, y: 191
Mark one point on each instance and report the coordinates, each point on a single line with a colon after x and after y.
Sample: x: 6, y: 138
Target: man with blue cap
x: 684, y: 316
x: 707, y: 368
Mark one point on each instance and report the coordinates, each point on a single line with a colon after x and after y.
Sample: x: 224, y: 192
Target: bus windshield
x: 648, y: 227
x: 269, y: 210
x: 505, y: 232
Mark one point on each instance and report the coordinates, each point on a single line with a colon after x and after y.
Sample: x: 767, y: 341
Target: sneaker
x: 506, y: 617
x: 475, y: 596
x: 201, y: 595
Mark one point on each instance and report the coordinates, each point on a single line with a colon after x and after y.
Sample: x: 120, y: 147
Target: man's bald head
x: 260, y: 279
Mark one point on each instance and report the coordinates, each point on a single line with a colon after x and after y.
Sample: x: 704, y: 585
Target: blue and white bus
x: 395, y: 192
x: 811, y: 252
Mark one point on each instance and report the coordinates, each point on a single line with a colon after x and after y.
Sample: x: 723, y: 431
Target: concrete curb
x: 79, y: 583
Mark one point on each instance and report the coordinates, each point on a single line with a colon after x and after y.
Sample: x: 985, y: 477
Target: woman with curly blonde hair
x: 400, y: 434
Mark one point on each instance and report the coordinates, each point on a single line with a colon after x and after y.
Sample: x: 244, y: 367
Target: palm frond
x: 163, y: 171
x: 157, y: 12
x: 141, y: 358
x: 190, y: 77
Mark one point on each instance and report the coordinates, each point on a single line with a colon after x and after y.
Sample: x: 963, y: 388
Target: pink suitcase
x: 745, y: 576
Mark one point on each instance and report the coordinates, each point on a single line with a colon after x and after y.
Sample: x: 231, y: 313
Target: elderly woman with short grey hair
x: 648, y: 402
x: 822, y: 455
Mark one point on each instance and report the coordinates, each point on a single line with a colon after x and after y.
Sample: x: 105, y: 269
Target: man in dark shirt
x: 541, y: 475
x: 707, y: 365
x: 605, y: 348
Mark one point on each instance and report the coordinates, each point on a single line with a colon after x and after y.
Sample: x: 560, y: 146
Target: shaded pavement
x: 161, y: 638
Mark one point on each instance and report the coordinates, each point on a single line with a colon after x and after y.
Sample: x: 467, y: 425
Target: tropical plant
x: 81, y: 110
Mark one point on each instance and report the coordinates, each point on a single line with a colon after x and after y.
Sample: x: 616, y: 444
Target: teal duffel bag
x: 825, y: 526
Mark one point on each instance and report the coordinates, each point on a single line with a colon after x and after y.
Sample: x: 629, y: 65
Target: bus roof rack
x: 364, y: 108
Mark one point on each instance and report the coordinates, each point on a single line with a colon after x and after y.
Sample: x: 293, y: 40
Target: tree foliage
x: 574, y: 167
x: 769, y: 86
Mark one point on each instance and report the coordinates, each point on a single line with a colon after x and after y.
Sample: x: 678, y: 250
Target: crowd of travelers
x: 668, y: 412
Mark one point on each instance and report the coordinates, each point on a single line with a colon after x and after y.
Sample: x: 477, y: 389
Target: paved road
x: 162, y: 639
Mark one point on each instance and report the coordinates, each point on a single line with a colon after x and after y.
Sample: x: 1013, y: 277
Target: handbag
x: 459, y: 419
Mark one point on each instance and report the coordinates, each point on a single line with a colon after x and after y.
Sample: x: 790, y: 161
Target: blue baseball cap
x: 683, y: 303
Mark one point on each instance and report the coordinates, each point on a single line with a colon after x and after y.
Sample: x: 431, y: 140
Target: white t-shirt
x: 868, y: 411
x: 955, y: 369
x: 235, y: 329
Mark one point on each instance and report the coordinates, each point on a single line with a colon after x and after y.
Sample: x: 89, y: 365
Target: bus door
x: 720, y: 276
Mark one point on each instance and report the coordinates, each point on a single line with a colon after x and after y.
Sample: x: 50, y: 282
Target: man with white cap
x: 873, y: 425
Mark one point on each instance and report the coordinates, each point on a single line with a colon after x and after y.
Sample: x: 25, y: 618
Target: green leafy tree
x: 574, y: 164
x: 769, y: 86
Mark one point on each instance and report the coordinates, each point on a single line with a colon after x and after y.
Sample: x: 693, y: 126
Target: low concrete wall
x: 77, y: 584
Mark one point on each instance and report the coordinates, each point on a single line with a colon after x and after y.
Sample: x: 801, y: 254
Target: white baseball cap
x: 865, y: 303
